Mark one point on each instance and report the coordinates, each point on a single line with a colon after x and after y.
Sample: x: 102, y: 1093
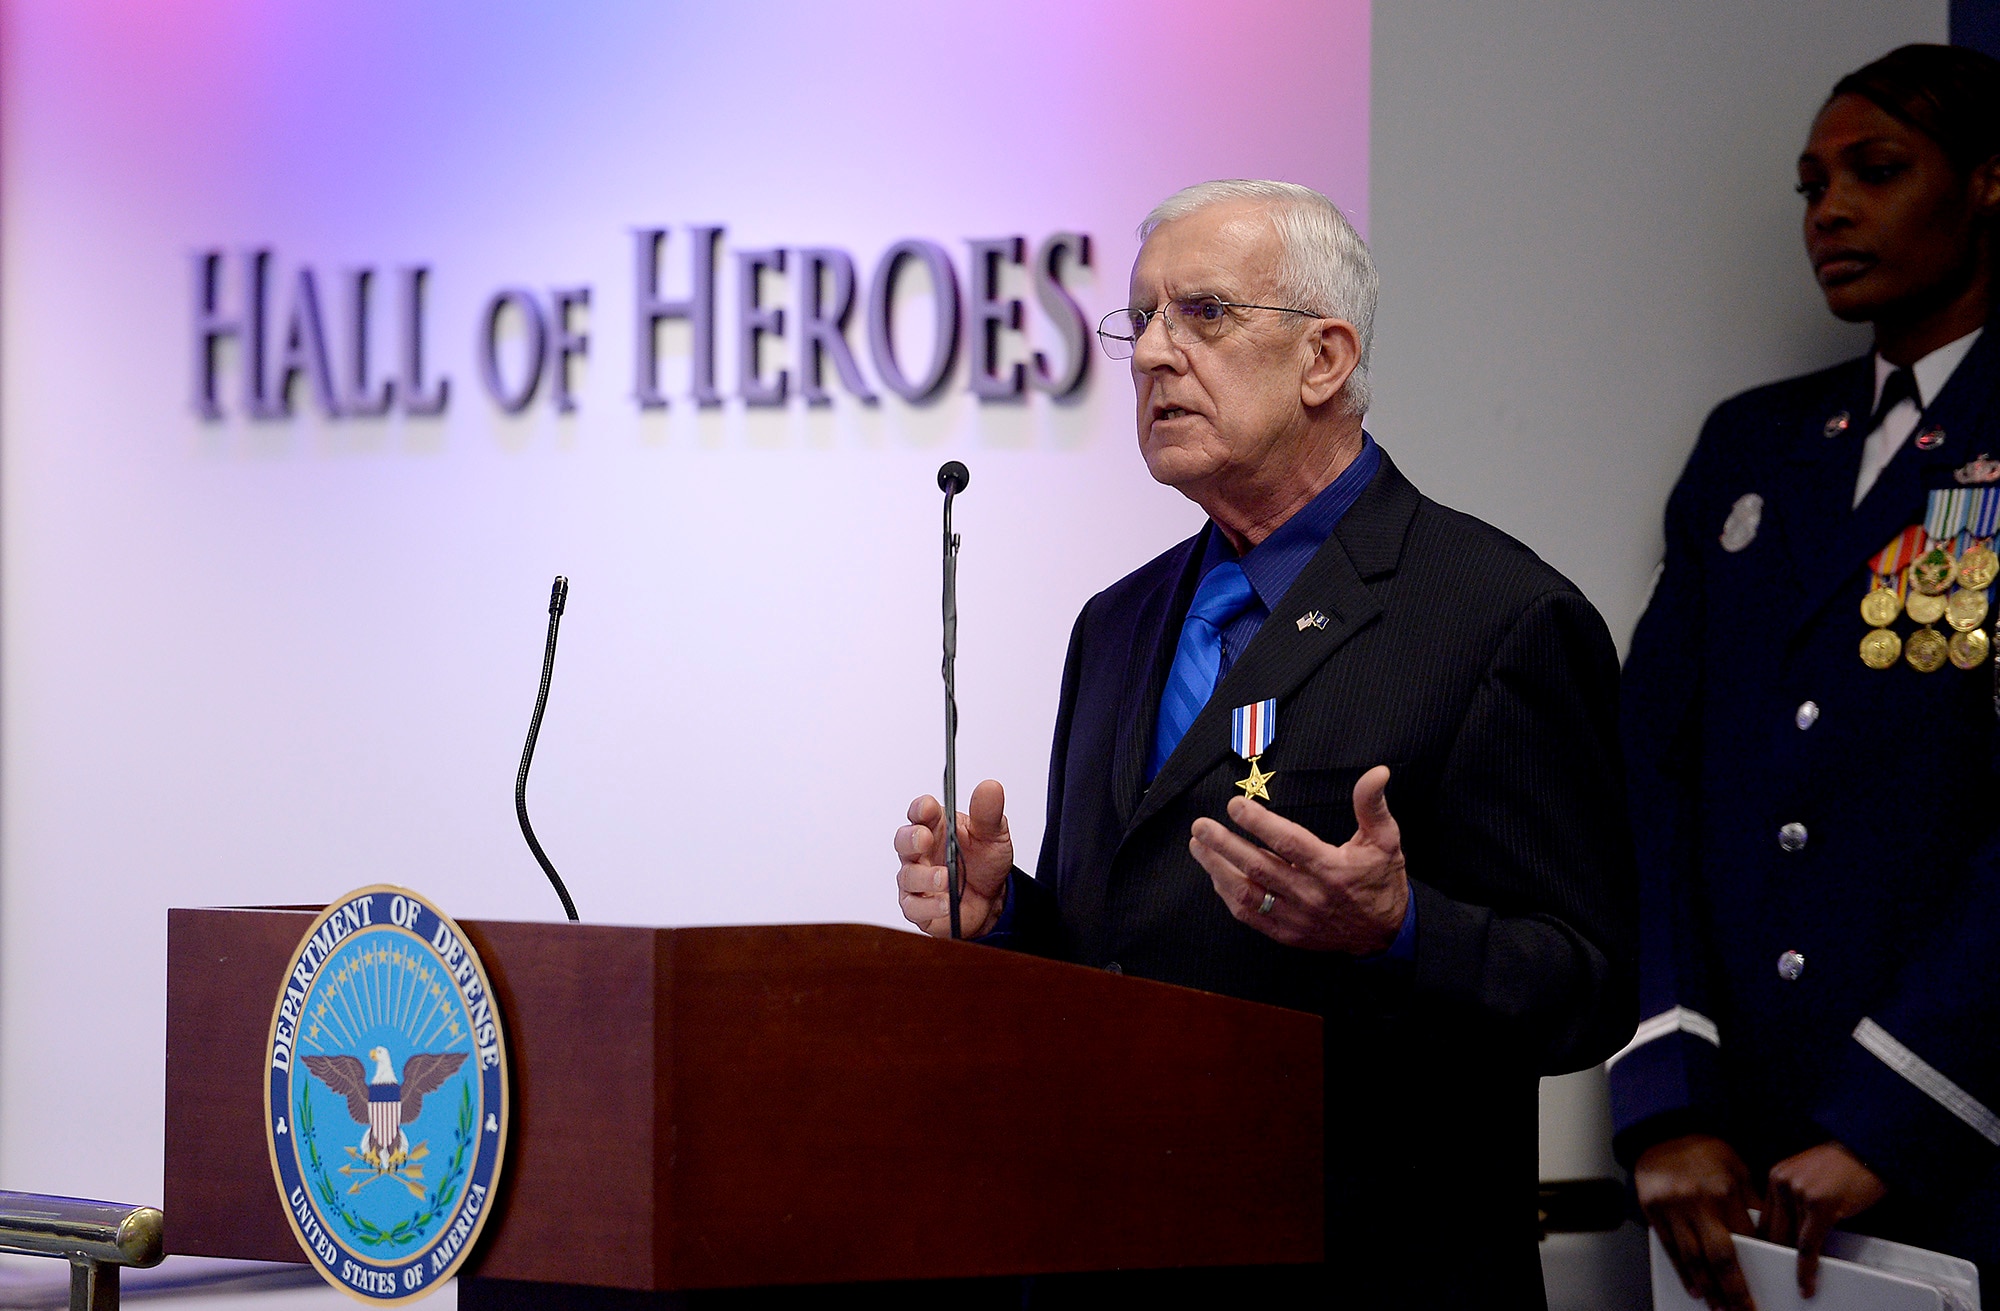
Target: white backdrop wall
x: 268, y: 660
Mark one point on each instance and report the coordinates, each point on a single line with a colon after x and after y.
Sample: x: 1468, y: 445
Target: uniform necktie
x: 1901, y: 386
x: 1223, y: 595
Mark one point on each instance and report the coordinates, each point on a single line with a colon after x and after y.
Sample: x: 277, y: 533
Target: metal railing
x: 96, y: 1238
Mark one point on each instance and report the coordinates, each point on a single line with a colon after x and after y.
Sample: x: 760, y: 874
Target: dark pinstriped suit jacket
x: 1489, y: 685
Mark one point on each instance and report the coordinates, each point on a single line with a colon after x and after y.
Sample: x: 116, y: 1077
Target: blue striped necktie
x: 1222, y: 596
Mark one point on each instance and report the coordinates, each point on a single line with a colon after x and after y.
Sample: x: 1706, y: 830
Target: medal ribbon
x: 1891, y: 560
x: 1983, y: 511
x: 1982, y: 517
x: 1252, y: 727
x: 1946, y: 515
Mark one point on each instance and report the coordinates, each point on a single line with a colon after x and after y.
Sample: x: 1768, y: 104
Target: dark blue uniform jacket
x: 1747, y: 709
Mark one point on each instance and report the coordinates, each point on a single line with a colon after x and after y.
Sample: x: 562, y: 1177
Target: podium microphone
x: 558, y: 595
x: 952, y: 479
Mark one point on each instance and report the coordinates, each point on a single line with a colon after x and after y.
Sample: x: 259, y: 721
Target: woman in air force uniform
x: 1810, y: 727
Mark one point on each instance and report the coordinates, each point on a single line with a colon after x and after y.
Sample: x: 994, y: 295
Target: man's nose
x: 1155, y: 346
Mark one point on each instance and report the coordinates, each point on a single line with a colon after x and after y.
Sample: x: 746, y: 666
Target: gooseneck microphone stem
x: 558, y: 594
x: 952, y: 479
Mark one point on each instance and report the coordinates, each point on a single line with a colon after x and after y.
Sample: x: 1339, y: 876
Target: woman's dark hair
x: 1948, y: 93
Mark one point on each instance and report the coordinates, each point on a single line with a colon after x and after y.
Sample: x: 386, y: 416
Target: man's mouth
x: 1168, y: 412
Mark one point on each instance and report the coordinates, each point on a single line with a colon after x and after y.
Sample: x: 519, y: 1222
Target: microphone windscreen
x: 953, y: 477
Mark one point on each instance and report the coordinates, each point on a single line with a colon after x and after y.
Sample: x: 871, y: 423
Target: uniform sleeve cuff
x: 1904, y: 1132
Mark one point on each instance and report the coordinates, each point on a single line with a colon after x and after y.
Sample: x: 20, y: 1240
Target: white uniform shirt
x: 1932, y: 372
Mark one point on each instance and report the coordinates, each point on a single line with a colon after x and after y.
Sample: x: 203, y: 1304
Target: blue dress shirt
x: 1275, y: 563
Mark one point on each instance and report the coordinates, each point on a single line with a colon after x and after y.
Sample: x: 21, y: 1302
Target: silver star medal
x: 1740, y: 528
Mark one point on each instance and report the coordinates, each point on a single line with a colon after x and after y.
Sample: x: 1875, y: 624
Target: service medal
x: 1966, y: 610
x: 1251, y: 729
x: 1926, y: 608
x: 1969, y: 650
x: 1978, y: 567
x: 1880, y: 607
x: 1884, y: 600
x: 1880, y: 649
x: 1926, y: 651
x: 1933, y: 572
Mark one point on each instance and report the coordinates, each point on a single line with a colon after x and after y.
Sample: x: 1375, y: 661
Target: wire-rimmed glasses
x: 1188, y: 320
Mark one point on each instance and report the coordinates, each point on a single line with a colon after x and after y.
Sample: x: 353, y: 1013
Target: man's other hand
x: 1695, y: 1191
x: 985, y: 857
x: 1350, y: 898
x: 1811, y: 1193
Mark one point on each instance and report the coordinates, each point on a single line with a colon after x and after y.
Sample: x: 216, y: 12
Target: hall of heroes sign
x: 305, y: 331
x: 385, y: 1095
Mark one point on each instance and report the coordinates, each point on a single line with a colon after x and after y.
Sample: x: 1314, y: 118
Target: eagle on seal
x: 382, y: 1102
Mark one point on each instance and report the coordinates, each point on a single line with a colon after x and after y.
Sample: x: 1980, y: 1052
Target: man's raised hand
x: 985, y: 856
x: 1350, y: 898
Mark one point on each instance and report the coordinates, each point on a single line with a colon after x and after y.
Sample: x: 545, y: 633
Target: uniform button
x: 1790, y: 966
x: 1792, y: 837
x: 1807, y: 716
x: 1114, y: 968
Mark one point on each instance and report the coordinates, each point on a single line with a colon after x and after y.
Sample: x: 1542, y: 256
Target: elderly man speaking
x: 1344, y: 750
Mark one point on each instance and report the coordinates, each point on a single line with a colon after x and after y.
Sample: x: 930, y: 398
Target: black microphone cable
x: 558, y: 595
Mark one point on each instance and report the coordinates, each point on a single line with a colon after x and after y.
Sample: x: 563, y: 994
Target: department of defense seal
x: 386, y: 1095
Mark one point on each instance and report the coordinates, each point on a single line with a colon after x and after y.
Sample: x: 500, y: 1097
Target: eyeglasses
x: 1200, y: 319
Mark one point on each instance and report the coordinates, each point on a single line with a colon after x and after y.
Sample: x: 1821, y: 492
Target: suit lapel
x: 1147, y: 663
x: 1283, y: 655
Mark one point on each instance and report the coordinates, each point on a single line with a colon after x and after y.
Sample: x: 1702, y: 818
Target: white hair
x: 1324, y: 265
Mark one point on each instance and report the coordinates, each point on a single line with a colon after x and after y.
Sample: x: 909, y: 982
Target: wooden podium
x: 804, y: 1104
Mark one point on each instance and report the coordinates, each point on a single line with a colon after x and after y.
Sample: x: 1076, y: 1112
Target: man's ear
x: 1336, y: 348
